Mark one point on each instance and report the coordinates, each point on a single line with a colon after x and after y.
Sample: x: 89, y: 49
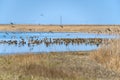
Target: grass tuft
x: 108, y: 55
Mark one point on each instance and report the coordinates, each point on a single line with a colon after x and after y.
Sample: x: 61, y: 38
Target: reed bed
x: 108, y: 55
x: 53, y: 66
x: 102, y: 64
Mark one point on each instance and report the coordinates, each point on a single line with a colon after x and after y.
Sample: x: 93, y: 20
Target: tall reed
x: 108, y: 55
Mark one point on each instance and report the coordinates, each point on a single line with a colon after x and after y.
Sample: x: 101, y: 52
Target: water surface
x: 7, y: 48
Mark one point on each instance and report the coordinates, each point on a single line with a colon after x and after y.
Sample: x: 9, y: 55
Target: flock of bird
x: 49, y: 41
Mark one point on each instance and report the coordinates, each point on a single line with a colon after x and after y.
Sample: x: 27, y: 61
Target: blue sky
x: 49, y: 11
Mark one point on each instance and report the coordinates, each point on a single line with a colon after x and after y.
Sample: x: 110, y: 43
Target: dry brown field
x: 110, y: 29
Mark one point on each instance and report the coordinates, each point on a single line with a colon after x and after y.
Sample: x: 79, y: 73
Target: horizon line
x: 66, y: 24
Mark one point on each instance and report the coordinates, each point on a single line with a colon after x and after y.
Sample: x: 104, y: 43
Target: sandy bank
x: 111, y: 29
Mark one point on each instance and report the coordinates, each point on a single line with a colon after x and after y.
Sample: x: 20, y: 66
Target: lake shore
x: 109, y: 29
x: 101, y: 64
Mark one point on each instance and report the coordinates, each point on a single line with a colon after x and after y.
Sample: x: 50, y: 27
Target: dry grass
x: 53, y: 66
x: 111, y: 29
x: 103, y: 64
x: 108, y: 55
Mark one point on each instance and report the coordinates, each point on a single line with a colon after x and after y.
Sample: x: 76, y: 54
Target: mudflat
x: 111, y: 29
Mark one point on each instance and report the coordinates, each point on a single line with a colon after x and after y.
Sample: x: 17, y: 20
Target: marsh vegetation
x: 103, y: 63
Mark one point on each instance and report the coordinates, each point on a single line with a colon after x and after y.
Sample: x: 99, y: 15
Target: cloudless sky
x: 49, y: 11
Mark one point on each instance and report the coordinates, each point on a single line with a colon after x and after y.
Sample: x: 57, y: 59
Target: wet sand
x: 110, y: 29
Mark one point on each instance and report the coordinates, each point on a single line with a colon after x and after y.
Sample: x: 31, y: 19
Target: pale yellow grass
x: 111, y: 29
x: 53, y: 66
x: 108, y: 55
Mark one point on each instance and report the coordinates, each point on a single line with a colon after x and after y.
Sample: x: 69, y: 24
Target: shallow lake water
x: 9, y: 42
